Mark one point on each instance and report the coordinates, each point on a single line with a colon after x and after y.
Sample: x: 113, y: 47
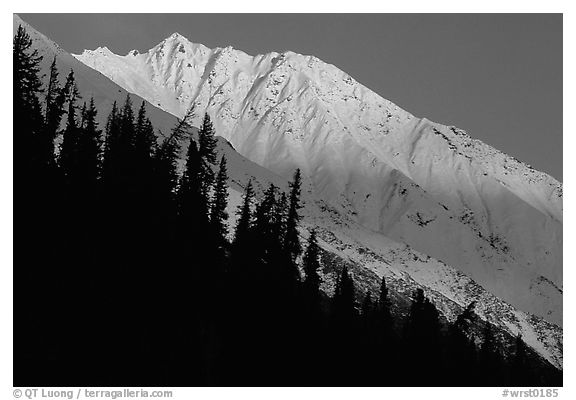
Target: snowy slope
x: 373, y: 256
x: 424, y: 184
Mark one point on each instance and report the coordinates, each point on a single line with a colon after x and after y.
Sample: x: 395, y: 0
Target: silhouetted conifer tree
x: 244, y: 214
x: 384, y: 312
x: 384, y: 341
x: 127, y: 122
x: 110, y: 169
x: 346, y: 329
x: 26, y: 61
x: 166, y: 160
x: 281, y: 217
x: 264, y: 224
x: 422, y: 334
x: 89, y: 148
x: 285, y: 263
x: 192, y: 206
x: 291, y: 239
x: 55, y: 98
x: 520, y: 374
x: 119, y: 167
x: 69, y: 158
x: 144, y: 149
x: 344, y: 298
x: 207, y: 140
x: 490, y: 362
x: 126, y: 145
x: 461, y: 362
x: 34, y: 210
x: 27, y: 85
x: 207, y: 149
x: 82, y: 116
x: 311, y: 265
x: 367, y: 311
x: 244, y: 249
x: 218, y: 214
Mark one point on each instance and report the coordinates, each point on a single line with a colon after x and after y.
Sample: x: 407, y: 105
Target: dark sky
x: 498, y: 76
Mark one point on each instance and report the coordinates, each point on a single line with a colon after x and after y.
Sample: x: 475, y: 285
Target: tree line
x: 126, y: 273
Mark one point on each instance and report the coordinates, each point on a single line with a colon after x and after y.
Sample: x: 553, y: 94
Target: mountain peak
x: 176, y: 38
x: 177, y: 35
x: 99, y: 51
x: 177, y: 43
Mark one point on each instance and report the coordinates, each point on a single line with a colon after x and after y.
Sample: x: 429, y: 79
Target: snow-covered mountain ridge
x: 424, y: 184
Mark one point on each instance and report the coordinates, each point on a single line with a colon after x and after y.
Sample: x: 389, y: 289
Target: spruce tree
x: 166, y: 169
x: 344, y: 298
x: 384, y: 307
x: 145, y: 139
x: 243, y: 244
x: 37, y: 205
x: 110, y: 169
x: 382, y: 339
x: 141, y: 118
x: 26, y: 86
x: 69, y: 149
x: 207, y: 140
x: 127, y: 121
x: 192, y: 206
x: 490, y: 367
x: 89, y: 147
x: 367, y: 310
x: 120, y: 165
x: 387, y: 342
x: 280, y: 218
x: 26, y: 63
x: 207, y: 149
x: 285, y: 262
x: 422, y: 334
x: 291, y: 239
x: 432, y: 323
x: 346, y: 327
x: 520, y: 370
x: 166, y: 158
x: 265, y: 213
x: 218, y: 214
x: 144, y: 149
x: 244, y: 214
x: 461, y: 349
x: 126, y: 144
x: 265, y: 228
x: 311, y: 265
x: 82, y: 116
x: 55, y: 99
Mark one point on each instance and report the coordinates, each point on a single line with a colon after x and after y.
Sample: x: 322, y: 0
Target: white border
x: 297, y: 6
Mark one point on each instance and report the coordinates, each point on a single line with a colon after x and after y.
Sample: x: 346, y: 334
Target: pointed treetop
x: 207, y: 141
